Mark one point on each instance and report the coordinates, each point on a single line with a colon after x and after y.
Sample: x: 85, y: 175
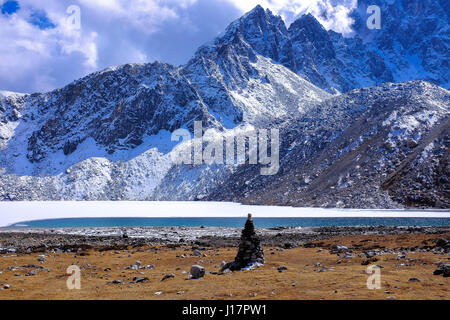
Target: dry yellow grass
x: 347, y: 280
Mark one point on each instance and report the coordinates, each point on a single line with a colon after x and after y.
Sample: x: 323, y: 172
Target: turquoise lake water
x: 230, y: 222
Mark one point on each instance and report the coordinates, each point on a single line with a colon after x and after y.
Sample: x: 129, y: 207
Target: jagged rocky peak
x: 314, y: 54
x: 307, y: 30
x: 309, y: 25
x: 259, y: 32
x: 241, y: 62
x: 265, y: 32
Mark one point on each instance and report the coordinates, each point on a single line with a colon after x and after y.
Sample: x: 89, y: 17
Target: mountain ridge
x: 107, y: 136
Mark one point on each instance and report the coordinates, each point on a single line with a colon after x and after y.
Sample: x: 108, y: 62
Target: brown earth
x: 301, y: 280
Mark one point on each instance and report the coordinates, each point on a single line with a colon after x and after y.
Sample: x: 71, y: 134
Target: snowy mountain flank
x: 364, y: 121
x: 373, y: 147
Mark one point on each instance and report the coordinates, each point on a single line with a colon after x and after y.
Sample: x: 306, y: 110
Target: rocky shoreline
x: 27, y: 240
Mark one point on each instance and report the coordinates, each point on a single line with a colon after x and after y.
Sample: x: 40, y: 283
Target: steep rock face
x: 332, y: 62
x: 311, y: 46
x: 413, y: 39
x: 362, y: 149
x: 115, y: 107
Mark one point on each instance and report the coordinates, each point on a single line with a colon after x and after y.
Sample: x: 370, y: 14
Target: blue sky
x: 41, y: 51
x: 9, y: 7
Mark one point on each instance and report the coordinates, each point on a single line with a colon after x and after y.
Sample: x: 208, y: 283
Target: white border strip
x: 14, y: 212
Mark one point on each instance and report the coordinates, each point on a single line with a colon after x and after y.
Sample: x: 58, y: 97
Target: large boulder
x: 443, y: 243
x: 443, y: 269
x: 197, y: 272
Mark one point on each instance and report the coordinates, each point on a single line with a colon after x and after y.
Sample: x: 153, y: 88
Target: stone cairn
x: 250, y: 250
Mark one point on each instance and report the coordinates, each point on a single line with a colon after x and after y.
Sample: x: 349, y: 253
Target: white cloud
x: 332, y: 14
x: 28, y: 54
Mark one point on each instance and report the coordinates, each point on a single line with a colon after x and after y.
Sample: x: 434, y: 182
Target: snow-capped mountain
x: 107, y: 136
x: 4, y: 94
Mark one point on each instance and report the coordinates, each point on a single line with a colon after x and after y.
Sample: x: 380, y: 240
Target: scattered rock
x: 197, y: 272
x: 443, y: 269
x: 443, y: 243
x: 413, y: 280
x: 282, y: 268
x: 401, y: 255
x: 335, y: 248
x: 137, y: 266
x: 369, y: 254
x: 289, y: 245
x: 368, y: 261
x: 168, y: 276
x: 139, y: 279
x: 226, y: 271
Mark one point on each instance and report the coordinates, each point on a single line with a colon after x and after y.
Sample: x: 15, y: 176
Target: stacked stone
x: 250, y: 250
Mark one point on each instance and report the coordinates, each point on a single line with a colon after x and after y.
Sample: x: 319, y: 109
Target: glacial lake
x: 66, y: 214
x: 229, y: 222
